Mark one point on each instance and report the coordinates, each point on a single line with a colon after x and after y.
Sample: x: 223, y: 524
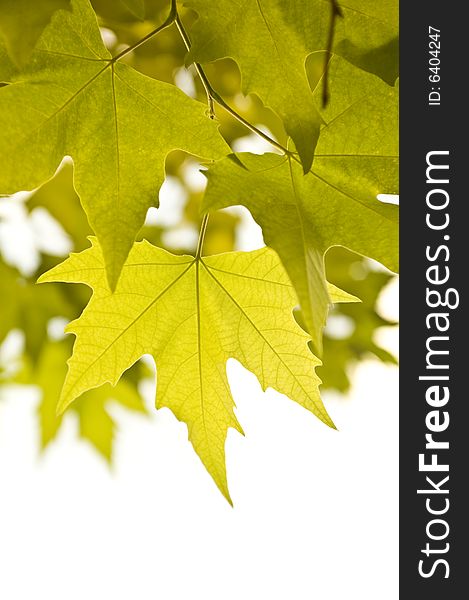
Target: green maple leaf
x: 192, y: 315
x: 95, y: 423
x: 117, y: 124
x: 271, y: 39
x: 302, y: 216
x: 23, y: 21
x: 270, y: 42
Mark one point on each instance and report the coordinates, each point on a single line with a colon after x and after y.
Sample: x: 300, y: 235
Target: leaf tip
x: 326, y: 419
x: 42, y: 278
x: 61, y: 407
x: 63, y: 403
x: 226, y: 495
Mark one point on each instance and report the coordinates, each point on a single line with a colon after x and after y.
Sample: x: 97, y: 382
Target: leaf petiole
x: 200, y: 242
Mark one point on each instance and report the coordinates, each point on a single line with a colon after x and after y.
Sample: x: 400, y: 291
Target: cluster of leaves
x: 118, y: 114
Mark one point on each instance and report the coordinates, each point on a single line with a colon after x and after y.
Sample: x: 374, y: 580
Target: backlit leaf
x: 367, y: 35
x: 343, y: 352
x: 116, y: 124
x: 278, y: 35
x: 191, y: 316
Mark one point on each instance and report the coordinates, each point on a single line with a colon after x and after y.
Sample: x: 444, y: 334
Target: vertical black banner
x: 434, y: 272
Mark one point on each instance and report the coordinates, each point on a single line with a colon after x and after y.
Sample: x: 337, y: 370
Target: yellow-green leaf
x: 117, y: 124
x: 192, y: 315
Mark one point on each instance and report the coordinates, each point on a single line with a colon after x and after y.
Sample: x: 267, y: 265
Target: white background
x: 315, y: 510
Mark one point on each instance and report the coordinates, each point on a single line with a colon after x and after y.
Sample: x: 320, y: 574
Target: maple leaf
x: 335, y: 203
x: 117, y: 124
x: 278, y: 35
x: 23, y: 21
x: 276, y: 41
x: 95, y: 423
x: 192, y: 314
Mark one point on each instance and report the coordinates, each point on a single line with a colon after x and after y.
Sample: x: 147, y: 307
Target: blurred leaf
x: 123, y: 13
x: 136, y: 7
x: 60, y: 199
x: 22, y: 23
x: 221, y: 235
x: 341, y: 355
x: 95, y: 423
x: 29, y: 307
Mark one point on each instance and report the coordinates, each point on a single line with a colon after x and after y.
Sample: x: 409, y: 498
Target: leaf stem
x: 214, y: 96
x: 200, y: 242
x: 198, y: 67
